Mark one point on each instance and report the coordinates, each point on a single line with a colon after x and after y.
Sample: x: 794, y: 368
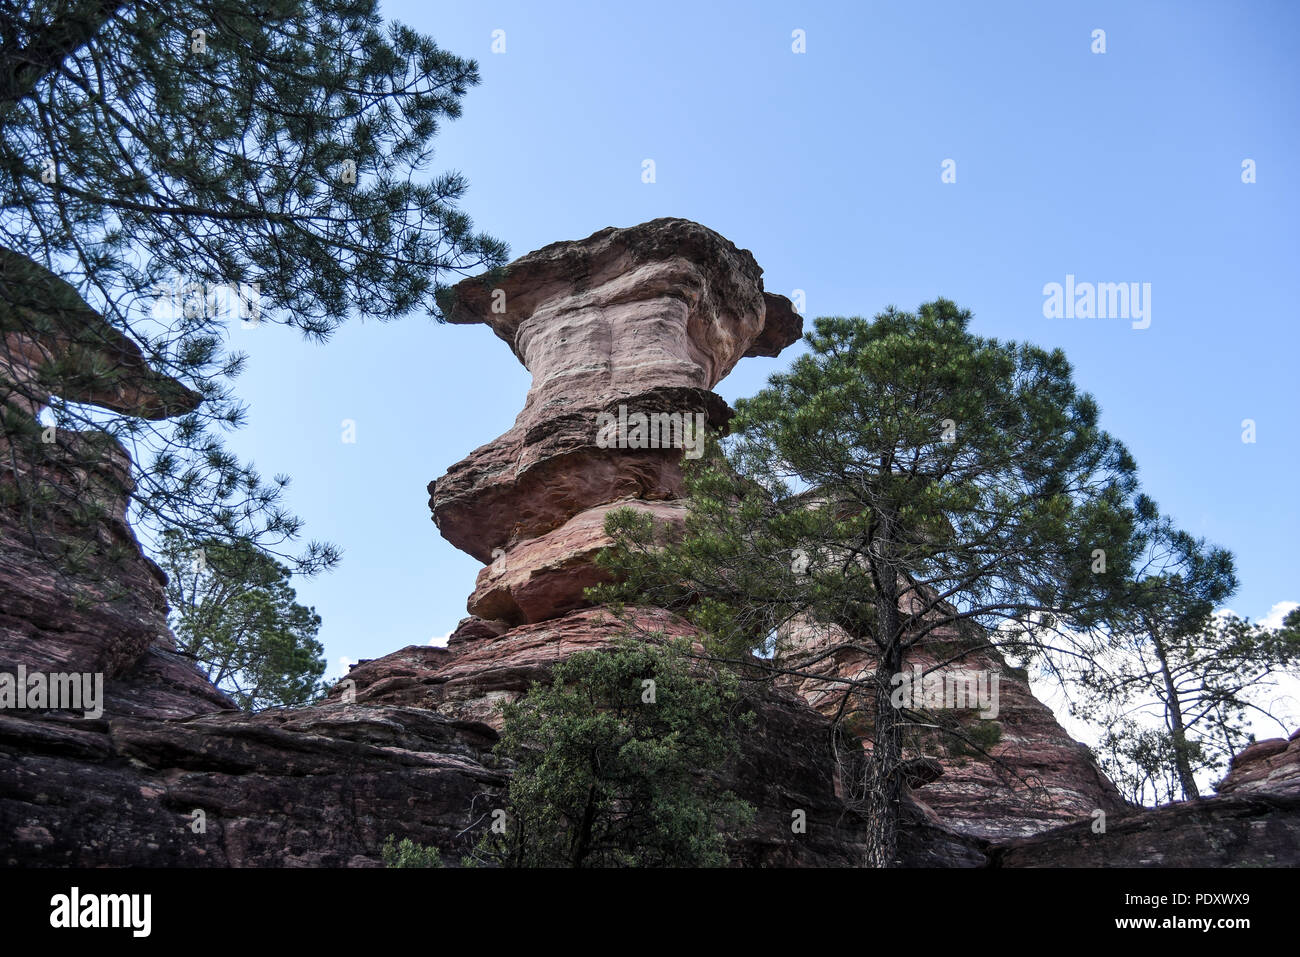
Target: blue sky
x: 1124, y: 166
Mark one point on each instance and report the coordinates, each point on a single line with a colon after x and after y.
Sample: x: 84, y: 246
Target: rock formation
x: 79, y: 596
x: 1261, y: 830
x: 640, y: 320
x: 649, y: 319
x: 1033, y: 778
x: 1266, y: 767
x: 56, y: 343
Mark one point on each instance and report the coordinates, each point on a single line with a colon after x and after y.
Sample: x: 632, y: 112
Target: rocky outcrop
x: 546, y: 576
x: 1253, y: 821
x: 78, y: 594
x: 1271, y: 766
x: 106, y: 613
x: 784, y: 765
x: 403, y: 747
x: 1020, y: 774
x: 54, y: 343
x: 1258, y: 831
x: 628, y: 322
x: 321, y: 786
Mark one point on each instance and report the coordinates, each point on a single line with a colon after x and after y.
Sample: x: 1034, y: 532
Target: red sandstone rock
x: 109, y: 616
x: 1271, y: 766
x: 45, y: 323
x: 544, y: 577
x: 665, y: 303
x: 649, y: 317
x: 1259, y: 830
x: 407, y: 754
x: 1036, y: 776
x: 106, y: 612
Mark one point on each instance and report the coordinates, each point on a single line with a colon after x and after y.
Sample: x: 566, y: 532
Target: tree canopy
x: 904, y: 479
x: 186, y: 163
x: 234, y: 612
x: 616, y: 764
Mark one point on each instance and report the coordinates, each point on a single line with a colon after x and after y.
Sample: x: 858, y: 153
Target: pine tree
x: 234, y: 612
x: 906, y: 477
x: 184, y: 164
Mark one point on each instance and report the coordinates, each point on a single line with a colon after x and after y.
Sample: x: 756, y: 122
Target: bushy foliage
x: 409, y: 854
x: 234, y: 612
x: 616, y: 764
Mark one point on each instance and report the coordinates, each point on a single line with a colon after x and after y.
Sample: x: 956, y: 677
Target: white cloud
x: 1279, y: 611
x: 1274, y: 617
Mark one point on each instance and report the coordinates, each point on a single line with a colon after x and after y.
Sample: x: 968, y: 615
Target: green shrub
x: 409, y: 854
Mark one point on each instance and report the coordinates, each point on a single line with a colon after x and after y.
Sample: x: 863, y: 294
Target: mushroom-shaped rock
x: 668, y: 302
x: 645, y: 319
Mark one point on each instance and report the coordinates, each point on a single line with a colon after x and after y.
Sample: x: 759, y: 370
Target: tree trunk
x: 883, y: 785
x: 1177, y: 729
x: 582, y: 840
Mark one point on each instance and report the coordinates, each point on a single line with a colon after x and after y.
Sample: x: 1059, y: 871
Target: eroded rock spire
x: 644, y: 320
